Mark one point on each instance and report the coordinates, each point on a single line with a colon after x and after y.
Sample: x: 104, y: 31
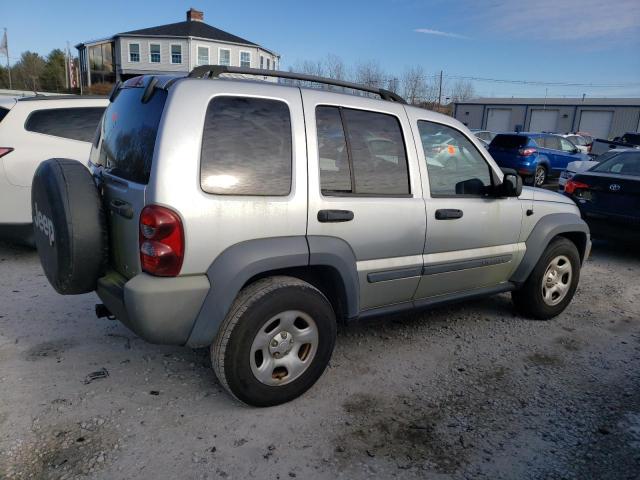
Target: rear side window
x: 246, y: 147
x: 73, y: 123
x: 552, y: 142
x: 3, y: 113
x: 509, y: 142
x: 129, y: 134
x: 361, y: 152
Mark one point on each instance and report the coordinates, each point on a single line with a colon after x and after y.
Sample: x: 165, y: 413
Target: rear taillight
x: 5, y: 150
x: 161, y: 241
x: 571, y: 186
x: 526, y: 152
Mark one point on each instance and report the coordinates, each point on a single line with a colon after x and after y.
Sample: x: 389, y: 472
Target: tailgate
x: 126, y: 152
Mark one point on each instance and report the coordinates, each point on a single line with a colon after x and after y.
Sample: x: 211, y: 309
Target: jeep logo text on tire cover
x: 44, y: 224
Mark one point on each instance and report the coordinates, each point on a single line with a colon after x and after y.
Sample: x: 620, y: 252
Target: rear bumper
x: 160, y: 310
x: 624, y: 229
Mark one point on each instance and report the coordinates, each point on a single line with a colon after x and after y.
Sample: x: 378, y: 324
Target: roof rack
x: 214, y: 71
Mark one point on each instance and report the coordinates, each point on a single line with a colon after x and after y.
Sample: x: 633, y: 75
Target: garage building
x: 601, y: 117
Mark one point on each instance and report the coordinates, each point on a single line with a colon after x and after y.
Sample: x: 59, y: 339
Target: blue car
x: 535, y: 156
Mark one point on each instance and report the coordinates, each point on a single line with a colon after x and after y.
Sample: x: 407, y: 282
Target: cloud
x: 561, y: 19
x: 430, y: 31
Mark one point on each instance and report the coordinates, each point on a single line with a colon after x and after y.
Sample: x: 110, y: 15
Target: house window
x: 154, y: 52
x: 203, y: 55
x: 245, y: 59
x: 134, y: 52
x: 261, y: 61
x: 176, y: 53
x: 268, y: 64
x: 224, y: 57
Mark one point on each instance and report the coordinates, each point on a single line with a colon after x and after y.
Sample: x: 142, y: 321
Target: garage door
x: 596, y: 122
x: 543, y: 121
x: 499, y: 120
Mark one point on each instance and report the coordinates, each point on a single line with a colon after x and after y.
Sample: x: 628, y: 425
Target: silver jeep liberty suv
x: 251, y: 216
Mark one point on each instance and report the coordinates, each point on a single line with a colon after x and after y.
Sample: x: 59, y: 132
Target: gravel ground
x: 467, y: 391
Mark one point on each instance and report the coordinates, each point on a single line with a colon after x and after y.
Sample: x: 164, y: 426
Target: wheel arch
x: 328, y: 263
x: 567, y: 225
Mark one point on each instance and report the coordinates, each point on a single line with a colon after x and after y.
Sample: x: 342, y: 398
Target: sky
x: 592, y: 44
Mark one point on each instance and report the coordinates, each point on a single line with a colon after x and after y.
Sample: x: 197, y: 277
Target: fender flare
x: 236, y: 265
x: 547, y: 228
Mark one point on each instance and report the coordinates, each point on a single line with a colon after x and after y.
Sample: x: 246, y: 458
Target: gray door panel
x: 479, y: 246
x: 387, y: 232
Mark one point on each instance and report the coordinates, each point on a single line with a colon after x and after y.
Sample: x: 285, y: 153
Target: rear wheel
x: 275, y: 342
x: 553, y: 282
x: 540, y: 176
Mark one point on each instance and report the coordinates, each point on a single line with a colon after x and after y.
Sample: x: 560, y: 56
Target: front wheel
x: 275, y: 342
x: 553, y: 282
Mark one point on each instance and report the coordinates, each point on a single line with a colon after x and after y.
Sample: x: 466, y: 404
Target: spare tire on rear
x: 69, y: 225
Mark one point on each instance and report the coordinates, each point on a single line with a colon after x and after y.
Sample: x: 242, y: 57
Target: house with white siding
x: 176, y: 47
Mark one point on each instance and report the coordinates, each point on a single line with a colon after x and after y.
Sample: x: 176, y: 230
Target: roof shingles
x: 189, y: 29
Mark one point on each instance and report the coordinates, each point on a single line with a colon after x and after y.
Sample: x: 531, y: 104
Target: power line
x: 542, y: 83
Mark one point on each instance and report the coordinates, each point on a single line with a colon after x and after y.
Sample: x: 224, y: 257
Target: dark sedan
x: 608, y: 196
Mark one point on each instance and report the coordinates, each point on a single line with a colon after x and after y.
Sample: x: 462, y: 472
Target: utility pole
x: 440, y: 92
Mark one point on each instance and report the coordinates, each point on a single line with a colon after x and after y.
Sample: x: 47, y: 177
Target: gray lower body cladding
x: 160, y: 310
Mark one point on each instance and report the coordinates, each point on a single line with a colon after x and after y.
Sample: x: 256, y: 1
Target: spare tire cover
x: 69, y: 225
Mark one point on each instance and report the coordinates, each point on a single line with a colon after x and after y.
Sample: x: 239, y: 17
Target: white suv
x: 32, y: 130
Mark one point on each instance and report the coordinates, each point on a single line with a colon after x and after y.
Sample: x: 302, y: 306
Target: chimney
x: 194, y: 15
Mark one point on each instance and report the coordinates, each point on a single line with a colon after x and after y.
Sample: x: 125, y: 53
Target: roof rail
x: 214, y: 71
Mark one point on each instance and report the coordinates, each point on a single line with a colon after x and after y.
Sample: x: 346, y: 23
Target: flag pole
x: 6, y: 49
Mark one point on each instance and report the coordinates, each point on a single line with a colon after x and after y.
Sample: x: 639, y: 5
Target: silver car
x: 251, y: 217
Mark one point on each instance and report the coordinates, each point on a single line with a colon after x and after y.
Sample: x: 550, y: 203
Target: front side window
x: 73, y: 123
x: 203, y: 55
x: 224, y: 57
x: 454, y: 164
x: 176, y: 53
x: 361, y: 152
x: 567, y: 146
x: 154, y: 52
x: 134, y: 52
x: 246, y: 147
x: 245, y: 59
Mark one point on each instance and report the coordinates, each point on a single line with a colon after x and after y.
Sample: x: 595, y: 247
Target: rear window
x: 129, y: 133
x: 509, y: 142
x: 623, y: 164
x: 3, y: 113
x: 633, y: 138
x: 246, y: 147
x: 72, y: 123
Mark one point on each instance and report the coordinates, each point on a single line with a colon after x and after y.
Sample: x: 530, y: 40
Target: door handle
x: 448, y: 214
x: 122, y: 208
x: 332, y: 216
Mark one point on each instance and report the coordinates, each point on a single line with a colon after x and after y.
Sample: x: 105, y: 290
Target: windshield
x: 622, y: 164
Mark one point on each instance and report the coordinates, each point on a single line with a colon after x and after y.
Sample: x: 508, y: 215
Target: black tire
x: 69, y: 225
x: 529, y: 300
x: 257, y: 303
x: 540, y: 177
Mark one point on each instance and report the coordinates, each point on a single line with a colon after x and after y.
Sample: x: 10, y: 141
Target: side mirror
x: 576, y: 150
x: 511, y: 184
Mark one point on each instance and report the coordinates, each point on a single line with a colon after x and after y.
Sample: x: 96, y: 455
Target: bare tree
x: 29, y: 69
x: 414, y: 85
x: 335, y: 67
x: 462, y: 90
x: 370, y: 74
